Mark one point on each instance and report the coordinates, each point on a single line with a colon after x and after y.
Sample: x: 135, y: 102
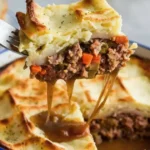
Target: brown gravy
x: 110, y: 80
x: 70, y: 85
x: 125, y: 145
x: 50, y: 88
x: 57, y: 130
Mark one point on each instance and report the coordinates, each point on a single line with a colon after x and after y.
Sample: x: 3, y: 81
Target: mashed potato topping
x: 47, y: 30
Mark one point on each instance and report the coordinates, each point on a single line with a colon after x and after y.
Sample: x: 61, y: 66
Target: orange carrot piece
x: 96, y: 59
x: 35, y: 69
x: 43, y: 72
x: 87, y: 58
x: 121, y: 39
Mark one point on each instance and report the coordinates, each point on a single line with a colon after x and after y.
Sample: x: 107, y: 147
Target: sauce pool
x: 57, y: 130
x: 126, y: 145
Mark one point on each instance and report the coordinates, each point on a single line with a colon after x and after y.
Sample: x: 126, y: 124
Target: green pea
x: 104, y: 48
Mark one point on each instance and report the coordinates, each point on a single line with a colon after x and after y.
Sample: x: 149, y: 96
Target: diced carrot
x: 35, y: 69
x: 121, y: 39
x: 87, y: 58
x: 96, y: 59
x: 43, y: 72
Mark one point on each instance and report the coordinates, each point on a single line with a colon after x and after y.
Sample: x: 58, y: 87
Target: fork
x: 9, y: 38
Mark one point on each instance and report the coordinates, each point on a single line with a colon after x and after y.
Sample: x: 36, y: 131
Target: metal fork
x: 109, y: 80
x: 9, y: 38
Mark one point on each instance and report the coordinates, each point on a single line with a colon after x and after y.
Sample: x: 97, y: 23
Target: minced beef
x: 129, y: 126
x: 68, y: 63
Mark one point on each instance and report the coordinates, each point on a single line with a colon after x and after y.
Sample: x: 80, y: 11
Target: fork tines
x: 9, y: 37
x: 14, y: 41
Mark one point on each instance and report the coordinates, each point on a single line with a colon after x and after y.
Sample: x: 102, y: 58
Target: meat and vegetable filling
x: 130, y: 126
x: 84, y: 60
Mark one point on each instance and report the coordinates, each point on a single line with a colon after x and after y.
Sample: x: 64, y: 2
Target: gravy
x: 57, y: 130
x: 70, y: 85
x: 108, y: 84
x: 125, y: 145
x: 50, y: 88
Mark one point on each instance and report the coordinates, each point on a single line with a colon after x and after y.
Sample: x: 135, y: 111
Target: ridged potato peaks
x: 20, y: 99
x: 48, y: 30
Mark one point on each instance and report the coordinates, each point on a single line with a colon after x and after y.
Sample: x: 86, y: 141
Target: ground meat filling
x: 129, y: 126
x: 69, y: 63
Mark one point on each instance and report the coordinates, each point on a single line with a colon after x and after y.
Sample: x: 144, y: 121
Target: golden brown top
x: 55, y: 27
x: 23, y: 98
